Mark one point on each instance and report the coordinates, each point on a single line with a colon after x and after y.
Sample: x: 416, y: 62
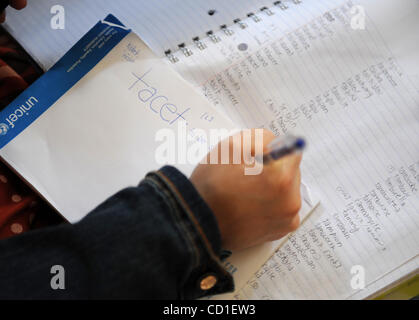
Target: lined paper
x: 161, y: 24
x: 243, y: 264
x: 354, y: 95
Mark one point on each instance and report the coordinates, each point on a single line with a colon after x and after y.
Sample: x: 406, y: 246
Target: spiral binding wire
x: 226, y: 30
x: 214, y: 38
x: 254, y: 17
x: 242, y: 24
x: 187, y: 52
x: 268, y: 11
x: 199, y: 44
x: 172, y: 58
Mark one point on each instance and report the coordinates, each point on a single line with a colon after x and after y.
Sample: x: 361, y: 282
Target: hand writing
x: 252, y: 209
x: 17, y: 4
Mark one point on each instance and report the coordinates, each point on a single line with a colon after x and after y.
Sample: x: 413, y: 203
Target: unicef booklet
x: 99, y: 120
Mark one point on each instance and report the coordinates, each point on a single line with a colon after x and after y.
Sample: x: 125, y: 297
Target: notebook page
x: 394, y: 277
x: 354, y: 95
x: 243, y: 264
x: 161, y: 24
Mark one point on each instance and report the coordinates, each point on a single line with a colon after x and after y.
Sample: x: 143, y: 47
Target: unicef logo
x: 3, y: 129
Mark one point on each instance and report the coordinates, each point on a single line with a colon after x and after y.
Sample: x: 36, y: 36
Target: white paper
x: 354, y: 95
x: 243, y: 264
x: 100, y: 136
x: 162, y: 24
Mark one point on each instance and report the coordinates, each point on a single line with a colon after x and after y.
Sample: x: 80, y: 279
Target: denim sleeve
x: 158, y: 240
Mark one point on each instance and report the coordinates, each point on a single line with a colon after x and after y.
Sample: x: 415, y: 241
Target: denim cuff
x: 198, y: 220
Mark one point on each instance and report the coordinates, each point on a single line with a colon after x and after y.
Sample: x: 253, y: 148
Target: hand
x: 252, y: 209
x: 17, y: 4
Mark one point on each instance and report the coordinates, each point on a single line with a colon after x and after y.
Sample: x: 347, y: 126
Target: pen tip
x: 300, y: 143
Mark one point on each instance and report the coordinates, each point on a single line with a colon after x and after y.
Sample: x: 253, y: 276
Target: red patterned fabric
x: 20, y: 207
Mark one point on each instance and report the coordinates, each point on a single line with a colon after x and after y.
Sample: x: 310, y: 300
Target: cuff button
x: 208, y: 282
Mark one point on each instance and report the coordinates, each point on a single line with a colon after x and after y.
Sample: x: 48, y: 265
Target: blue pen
x: 282, y: 146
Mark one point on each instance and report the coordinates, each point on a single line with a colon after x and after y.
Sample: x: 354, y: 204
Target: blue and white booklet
x: 93, y: 125
x: 90, y: 125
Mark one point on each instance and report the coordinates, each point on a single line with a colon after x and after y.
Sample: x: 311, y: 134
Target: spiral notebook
x: 345, y: 75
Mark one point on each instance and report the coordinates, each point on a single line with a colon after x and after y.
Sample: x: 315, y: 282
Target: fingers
x: 293, y: 225
x: 288, y: 176
x: 294, y: 195
x: 247, y: 143
x: 18, y: 4
x: 290, y: 163
x: 255, y: 136
x: 268, y: 136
